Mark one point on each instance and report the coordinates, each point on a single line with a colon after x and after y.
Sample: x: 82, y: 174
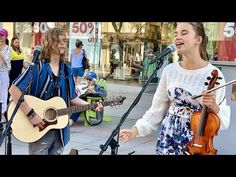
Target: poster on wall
x: 39, y: 28
x: 227, y: 47
x: 90, y: 34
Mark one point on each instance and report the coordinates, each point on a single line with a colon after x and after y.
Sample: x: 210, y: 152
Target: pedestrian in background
x: 5, y: 67
x: 77, y: 55
x: 17, y: 59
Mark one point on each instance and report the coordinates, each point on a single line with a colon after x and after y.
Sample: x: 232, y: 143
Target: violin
x: 205, y: 125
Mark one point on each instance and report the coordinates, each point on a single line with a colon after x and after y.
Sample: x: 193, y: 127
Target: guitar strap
x: 67, y: 86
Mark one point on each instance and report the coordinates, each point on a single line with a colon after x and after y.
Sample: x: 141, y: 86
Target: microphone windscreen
x: 38, y: 47
x: 172, y: 47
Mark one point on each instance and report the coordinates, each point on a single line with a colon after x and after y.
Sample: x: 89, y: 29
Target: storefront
x: 125, y: 39
x: 31, y: 33
x: 122, y: 45
x: 221, y: 42
x: 130, y: 43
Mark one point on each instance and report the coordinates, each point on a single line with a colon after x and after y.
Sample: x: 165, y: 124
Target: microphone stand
x: 114, y: 144
x: 8, y: 131
x: 1, y: 124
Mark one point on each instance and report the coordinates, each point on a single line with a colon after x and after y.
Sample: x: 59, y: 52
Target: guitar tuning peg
x: 206, y: 83
x: 220, y: 78
x: 217, y: 83
x: 208, y: 78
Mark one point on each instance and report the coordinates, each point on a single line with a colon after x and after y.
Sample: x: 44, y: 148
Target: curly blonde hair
x: 50, y: 43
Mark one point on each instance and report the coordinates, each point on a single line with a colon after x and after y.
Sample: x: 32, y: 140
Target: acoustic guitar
x: 54, y: 112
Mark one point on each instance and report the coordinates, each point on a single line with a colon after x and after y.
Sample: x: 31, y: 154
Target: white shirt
x: 6, y: 64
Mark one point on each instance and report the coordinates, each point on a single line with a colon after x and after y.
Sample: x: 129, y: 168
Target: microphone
x: 36, y: 54
x: 170, y: 49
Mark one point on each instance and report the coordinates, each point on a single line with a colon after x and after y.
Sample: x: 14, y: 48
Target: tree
x: 21, y: 28
x: 117, y: 26
x: 135, y: 32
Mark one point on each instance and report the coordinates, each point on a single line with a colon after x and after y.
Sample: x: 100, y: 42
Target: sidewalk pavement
x: 87, y: 140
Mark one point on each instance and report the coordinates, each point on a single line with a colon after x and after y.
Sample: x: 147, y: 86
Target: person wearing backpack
x: 77, y: 55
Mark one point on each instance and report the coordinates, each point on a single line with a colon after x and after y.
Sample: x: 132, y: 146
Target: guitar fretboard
x: 81, y: 108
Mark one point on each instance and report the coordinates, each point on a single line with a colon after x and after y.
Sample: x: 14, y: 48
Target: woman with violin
x: 174, y: 113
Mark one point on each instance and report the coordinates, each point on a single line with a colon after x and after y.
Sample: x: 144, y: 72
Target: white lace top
x: 174, y: 76
x: 6, y: 64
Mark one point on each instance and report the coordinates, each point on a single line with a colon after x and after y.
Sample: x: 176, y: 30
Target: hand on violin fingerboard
x: 209, y: 100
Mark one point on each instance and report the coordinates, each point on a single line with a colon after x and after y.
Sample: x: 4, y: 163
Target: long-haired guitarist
x: 49, y: 80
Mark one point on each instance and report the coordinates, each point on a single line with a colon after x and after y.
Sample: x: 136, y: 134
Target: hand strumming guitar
x: 35, y: 119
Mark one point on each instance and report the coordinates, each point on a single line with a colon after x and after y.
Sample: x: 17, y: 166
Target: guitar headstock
x: 116, y: 100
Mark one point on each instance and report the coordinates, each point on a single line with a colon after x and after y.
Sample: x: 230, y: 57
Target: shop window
x: 222, y: 40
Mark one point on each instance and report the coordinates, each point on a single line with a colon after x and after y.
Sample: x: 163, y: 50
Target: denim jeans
x: 49, y: 144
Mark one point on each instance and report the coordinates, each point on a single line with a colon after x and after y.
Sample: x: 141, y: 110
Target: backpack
x: 85, y: 61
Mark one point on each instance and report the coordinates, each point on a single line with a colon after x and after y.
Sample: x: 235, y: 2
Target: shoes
x: 71, y: 122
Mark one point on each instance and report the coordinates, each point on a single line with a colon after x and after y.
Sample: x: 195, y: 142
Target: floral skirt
x: 173, y: 136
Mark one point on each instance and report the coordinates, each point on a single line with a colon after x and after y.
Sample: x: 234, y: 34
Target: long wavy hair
x: 16, y: 49
x: 50, y: 43
x: 200, y: 31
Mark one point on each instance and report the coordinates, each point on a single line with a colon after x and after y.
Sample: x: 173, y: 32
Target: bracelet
x: 30, y: 113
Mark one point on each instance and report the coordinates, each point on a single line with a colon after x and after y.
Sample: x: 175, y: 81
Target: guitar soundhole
x: 50, y: 115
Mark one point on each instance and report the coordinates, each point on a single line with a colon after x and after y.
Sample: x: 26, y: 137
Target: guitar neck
x: 81, y: 108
